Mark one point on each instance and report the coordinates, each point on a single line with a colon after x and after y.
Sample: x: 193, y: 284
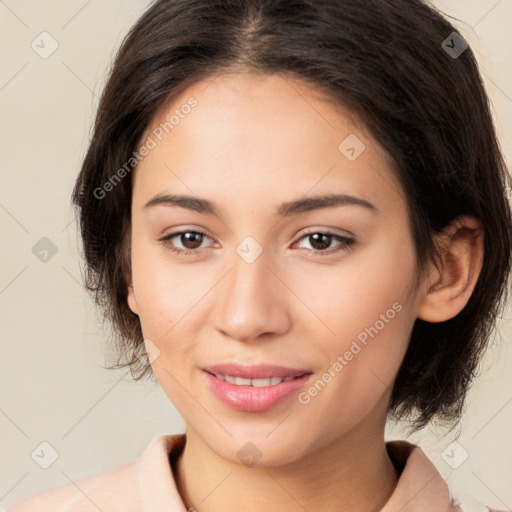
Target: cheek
x: 169, y: 303
x: 361, y: 359
x: 366, y: 320
x: 352, y: 295
x: 158, y: 290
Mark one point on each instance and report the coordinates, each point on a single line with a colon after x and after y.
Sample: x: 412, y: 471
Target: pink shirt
x: 147, y: 484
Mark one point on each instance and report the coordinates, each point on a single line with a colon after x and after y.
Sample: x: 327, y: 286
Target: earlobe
x: 461, y: 255
x: 125, y: 254
x: 130, y: 296
x: 132, y: 302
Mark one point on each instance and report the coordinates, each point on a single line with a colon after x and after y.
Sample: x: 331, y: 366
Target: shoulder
x: 467, y: 503
x: 145, y: 483
x: 421, y: 482
x: 476, y: 507
x: 114, y: 490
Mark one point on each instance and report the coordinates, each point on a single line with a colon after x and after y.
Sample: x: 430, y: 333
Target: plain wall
x: 53, y: 386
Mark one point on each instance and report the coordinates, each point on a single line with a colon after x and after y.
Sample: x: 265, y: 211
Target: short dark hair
x: 385, y: 60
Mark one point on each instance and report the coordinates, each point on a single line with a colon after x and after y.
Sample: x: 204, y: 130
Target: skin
x: 251, y: 143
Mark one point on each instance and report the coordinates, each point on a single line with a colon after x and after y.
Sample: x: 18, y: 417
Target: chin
x: 258, y: 450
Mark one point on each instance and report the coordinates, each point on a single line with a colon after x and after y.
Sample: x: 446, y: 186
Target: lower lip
x: 251, y: 398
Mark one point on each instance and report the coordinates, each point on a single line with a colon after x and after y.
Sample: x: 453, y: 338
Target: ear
x: 132, y: 302
x: 461, y: 250
x: 130, y: 297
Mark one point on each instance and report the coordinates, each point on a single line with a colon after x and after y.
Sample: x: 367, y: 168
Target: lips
x: 261, y: 371
x: 254, y: 398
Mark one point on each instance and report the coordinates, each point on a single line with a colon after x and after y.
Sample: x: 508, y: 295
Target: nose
x: 253, y: 301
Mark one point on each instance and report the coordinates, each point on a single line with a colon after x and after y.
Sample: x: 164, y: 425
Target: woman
x: 301, y: 231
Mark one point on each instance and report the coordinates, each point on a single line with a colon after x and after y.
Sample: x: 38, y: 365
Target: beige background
x: 53, y: 388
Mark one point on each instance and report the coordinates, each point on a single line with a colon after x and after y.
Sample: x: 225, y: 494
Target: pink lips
x: 251, y: 398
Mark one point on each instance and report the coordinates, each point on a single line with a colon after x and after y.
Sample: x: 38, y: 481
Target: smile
x: 241, y: 381
x: 254, y: 395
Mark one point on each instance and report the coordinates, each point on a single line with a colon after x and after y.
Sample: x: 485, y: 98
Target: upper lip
x: 259, y: 371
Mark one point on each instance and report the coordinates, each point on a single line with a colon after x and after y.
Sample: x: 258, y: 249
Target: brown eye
x: 189, y: 240
x: 320, y: 241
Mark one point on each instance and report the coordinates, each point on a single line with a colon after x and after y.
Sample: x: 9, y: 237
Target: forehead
x: 238, y: 104
x: 265, y: 134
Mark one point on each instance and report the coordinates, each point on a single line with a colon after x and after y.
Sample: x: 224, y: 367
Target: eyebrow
x: 286, y: 209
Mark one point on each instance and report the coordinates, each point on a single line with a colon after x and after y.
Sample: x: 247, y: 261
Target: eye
x: 192, y: 241
x: 322, y: 239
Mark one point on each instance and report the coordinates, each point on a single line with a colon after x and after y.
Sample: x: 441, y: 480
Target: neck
x: 354, y: 473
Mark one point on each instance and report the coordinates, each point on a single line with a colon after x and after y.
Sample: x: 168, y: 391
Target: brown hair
x: 389, y: 62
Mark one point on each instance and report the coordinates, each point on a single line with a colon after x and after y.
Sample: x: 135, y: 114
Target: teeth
x: 241, y: 381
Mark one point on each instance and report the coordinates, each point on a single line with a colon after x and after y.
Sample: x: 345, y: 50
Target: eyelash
x: 345, y: 245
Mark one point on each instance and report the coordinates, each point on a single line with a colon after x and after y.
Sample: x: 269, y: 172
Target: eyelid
x: 330, y: 231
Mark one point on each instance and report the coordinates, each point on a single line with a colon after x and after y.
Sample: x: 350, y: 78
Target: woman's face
x: 252, y: 290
